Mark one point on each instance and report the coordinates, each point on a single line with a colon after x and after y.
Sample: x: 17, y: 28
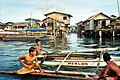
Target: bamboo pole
x: 62, y: 62
x: 98, y: 62
x: 91, y: 50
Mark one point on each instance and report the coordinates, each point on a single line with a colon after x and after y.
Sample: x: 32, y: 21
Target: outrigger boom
x: 91, y: 50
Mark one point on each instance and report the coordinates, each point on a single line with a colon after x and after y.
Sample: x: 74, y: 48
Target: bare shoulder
x: 25, y: 55
x: 21, y: 57
x: 112, y: 64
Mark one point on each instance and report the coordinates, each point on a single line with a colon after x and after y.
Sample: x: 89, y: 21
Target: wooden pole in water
x: 113, y: 33
x: 100, y: 34
x: 113, y: 37
x: 100, y: 42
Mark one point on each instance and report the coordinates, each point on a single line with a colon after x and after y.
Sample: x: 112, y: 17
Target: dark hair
x: 106, y: 57
x: 37, y: 40
x: 31, y: 49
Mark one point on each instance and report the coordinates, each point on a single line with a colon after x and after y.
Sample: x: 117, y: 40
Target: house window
x: 104, y: 24
x: 15, y: 27
x: 50, y: 24
x: 65, y: 18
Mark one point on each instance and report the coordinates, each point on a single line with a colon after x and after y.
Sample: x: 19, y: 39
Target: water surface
x: 10, y: 51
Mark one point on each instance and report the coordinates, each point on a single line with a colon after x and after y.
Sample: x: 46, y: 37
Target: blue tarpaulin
x: 35, y: 29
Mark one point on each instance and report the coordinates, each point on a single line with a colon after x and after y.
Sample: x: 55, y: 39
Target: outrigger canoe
x: 59, y: 74
x: 81, y: 63
x: 79, y: 60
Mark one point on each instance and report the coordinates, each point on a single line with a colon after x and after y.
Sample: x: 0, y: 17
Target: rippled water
x: 10, y: 51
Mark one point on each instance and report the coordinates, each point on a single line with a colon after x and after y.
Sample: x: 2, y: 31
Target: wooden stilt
x: 100, y: 34
x: 113, y: 33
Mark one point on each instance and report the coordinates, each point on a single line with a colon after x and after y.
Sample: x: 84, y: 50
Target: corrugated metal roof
x: 58, y: 13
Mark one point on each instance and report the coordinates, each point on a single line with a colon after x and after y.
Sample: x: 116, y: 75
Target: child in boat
x: 38, y: 47
x: 111, y: 69
x: 41, y: 57
x: 28, y: 63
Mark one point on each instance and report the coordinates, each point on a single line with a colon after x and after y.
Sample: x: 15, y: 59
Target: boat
x: 81, y: 63
x: 7, y: 33
x: 78, y: 60
x: 59, y: 74
x: 68, y: 74
x: 23, y: 38
x: 29, y: 34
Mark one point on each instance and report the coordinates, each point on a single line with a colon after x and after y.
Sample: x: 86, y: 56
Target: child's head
x: 32, y: 50
x: 37, y: 40
x: 106, y: 57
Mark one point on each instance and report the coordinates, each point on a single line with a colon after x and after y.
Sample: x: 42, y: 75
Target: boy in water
x: 28, y: 63
x: 111, y: 67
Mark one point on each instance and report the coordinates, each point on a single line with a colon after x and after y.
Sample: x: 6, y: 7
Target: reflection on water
x: 10, y: 51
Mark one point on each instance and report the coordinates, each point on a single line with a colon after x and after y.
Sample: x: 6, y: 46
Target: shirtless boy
x: 28, y: 63
x: 38, y: 47
x: 111, y: 66
x: 41, y: 57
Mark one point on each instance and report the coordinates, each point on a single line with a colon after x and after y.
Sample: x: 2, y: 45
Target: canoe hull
x: 82, y: 63
x: 51, y: 74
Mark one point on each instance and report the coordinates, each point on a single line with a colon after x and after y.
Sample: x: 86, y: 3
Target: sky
x: 19, y: 10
